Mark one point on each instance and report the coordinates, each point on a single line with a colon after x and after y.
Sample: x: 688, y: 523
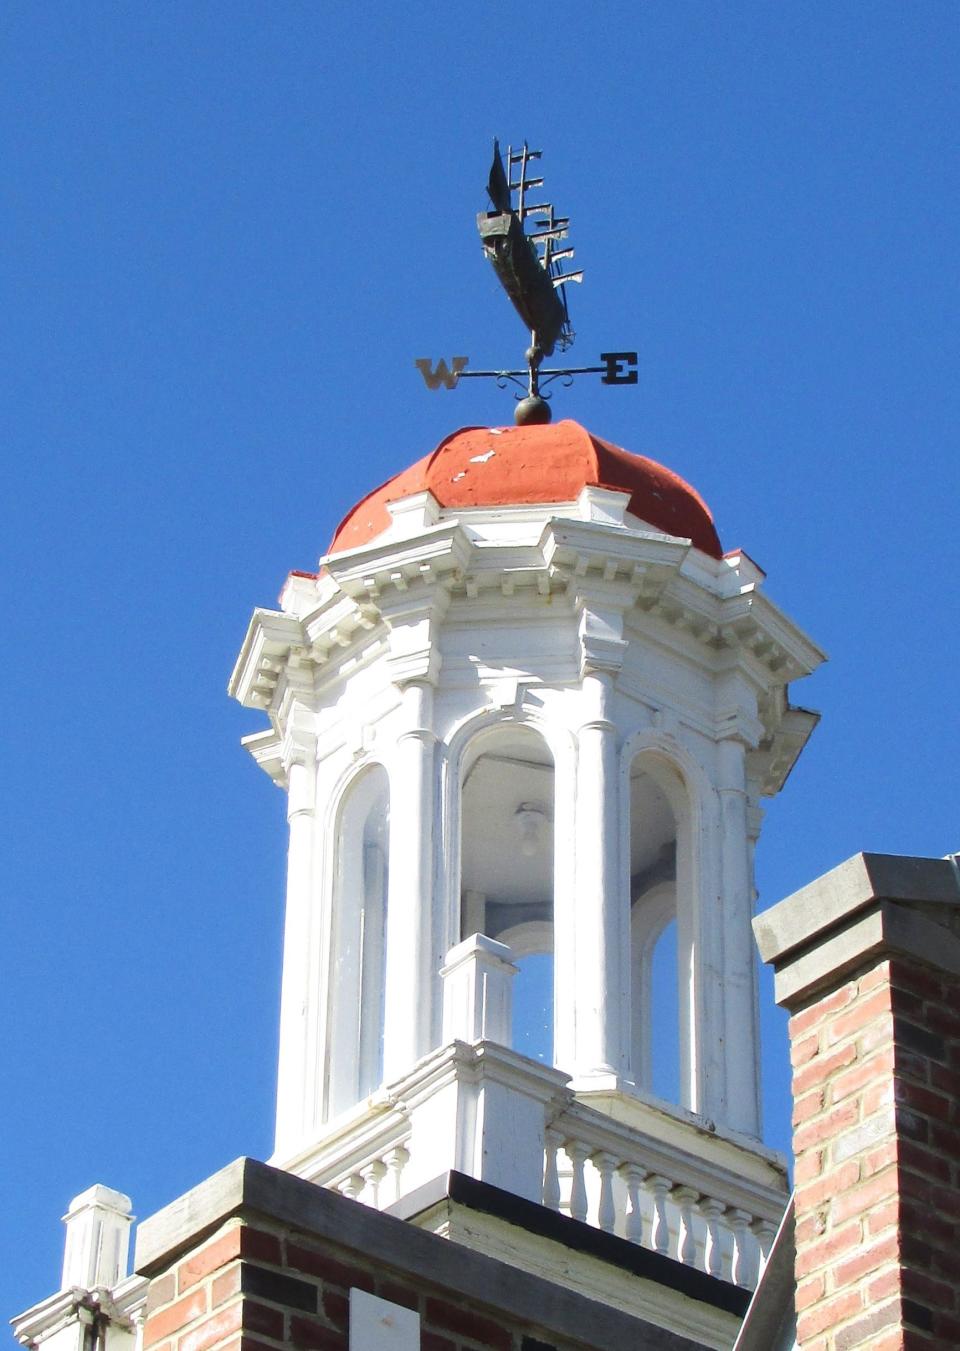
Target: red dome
x: 516, y: 466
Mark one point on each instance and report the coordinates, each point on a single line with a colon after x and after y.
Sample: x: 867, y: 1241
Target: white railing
x: 622, y: 1191
x: 652, y: 1175
x: 675, y: 1205
x: 377, y: 1181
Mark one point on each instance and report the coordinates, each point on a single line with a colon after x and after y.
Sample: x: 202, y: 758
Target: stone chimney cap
x: 852, y: 886
x: 871, y: 906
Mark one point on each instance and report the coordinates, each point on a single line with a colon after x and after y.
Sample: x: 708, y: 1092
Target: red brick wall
x: 255, y: 1289
x: 876, y: 1083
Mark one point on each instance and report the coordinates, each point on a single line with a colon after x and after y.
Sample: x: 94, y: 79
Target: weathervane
x: 529, y: 268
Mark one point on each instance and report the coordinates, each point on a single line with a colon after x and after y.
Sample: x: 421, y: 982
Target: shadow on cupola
x: 654, y: 957
x: 507, y: 869
x: 358, y: 946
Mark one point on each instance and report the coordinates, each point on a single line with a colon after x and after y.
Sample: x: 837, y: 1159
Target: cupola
x: 526, y: 712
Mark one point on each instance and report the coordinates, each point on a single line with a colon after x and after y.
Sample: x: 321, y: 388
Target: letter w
x: 441, y: 374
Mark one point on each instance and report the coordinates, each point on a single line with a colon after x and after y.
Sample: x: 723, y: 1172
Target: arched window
x: 506, y: 874
x: 659, y: 927
x: 358, y: 941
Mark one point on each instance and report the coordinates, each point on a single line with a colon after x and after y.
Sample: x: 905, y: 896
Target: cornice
x: 270, y: 637
x: 389, y: 598
x: 393, y: 564
x: 76, y: 1305
x: 751, y: 621
x: 779, y: 749
x: 267, y: 751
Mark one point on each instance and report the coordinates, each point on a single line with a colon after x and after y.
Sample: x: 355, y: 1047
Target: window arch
x: 358, y: 940
x: 507, y: 870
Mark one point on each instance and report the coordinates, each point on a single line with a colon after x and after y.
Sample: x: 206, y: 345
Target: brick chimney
x: 867, y: 961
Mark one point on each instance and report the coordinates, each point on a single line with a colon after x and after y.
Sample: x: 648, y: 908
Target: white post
x: 296, y: 1072
x: 98, y: 1237
x: 602, y: 915
x: 478, y: 991
x: 413, y: 805
x: 741, y: 1014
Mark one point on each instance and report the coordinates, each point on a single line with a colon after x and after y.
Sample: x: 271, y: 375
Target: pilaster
x: 601, y: 912
x: 412, y: 965
x: 297, y: 1089
x: 741, y: 1040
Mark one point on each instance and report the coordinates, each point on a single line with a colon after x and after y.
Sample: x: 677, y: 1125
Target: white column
x: 741, y: 1014
x: 601, y: 913
x: 412, y: 979
x: 296, y: 1077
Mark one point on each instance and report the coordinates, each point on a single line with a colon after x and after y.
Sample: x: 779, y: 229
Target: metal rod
x: 568, y: 370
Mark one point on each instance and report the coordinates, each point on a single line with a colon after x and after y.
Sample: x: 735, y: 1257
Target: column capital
x: 738, y: 725
x: 413, y: 637
x: 600, y: 632
x: 299, y: 744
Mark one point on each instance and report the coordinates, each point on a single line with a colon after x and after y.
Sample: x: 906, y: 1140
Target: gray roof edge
x: 772, y: 1303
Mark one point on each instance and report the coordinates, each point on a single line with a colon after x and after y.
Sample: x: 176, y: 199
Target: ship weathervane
x: 529, y: 267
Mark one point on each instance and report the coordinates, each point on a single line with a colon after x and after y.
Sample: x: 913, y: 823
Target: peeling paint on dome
x: 533, y: 464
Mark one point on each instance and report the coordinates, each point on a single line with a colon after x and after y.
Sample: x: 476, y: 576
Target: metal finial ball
x: 532, y: 411
x: 533, y: 355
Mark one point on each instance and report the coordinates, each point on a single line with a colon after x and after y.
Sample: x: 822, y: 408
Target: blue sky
x: 230, y: 229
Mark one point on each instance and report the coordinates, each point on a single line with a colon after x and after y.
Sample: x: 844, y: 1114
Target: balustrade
x: 674, y: 1196
x: 377, y: 1181
x: 648, y: 1208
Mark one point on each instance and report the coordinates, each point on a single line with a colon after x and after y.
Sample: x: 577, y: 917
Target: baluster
x: 765, y: 1231
x: 352, y: 1186
x: 551, y: 1176
x: 396, y: 1160
x: 711, y: 1210
x: 743, y: 1265
x: 373, y: 1175
x: 578, y: 1155
x: 633, y: 1176
x: 686, y: 1198
x: 660, y: 1233
x: 606, y: 1166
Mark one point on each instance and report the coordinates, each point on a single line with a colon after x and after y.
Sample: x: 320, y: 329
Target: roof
x: 517, y: 466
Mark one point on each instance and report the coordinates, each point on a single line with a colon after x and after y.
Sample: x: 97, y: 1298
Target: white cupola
x: 525, y: 713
